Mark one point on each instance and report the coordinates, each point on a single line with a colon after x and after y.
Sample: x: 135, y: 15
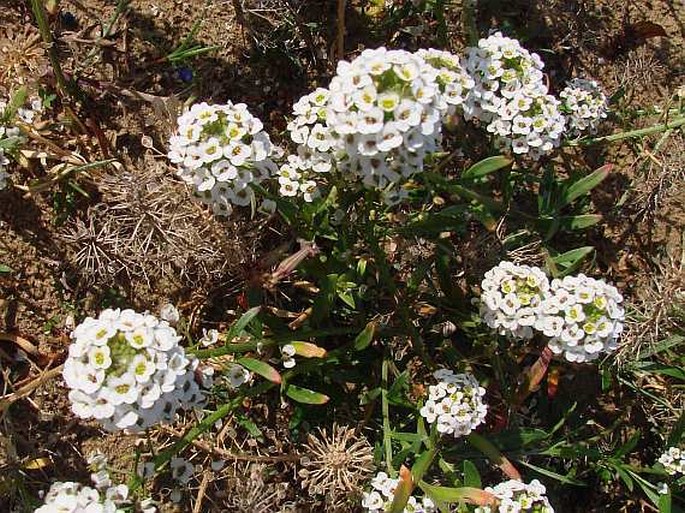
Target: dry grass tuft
x: 657, y: 311
x: 660, y: 175
x: 251, y: 491
x: 147, y: 227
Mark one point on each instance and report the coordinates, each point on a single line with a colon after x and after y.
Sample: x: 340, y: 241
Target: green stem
x: 641, y: 132
x: 46, y: 34
x: 278, y: 340
x: 387, y: 440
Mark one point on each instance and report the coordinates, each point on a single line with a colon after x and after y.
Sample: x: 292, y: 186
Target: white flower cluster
x: 454, y: 82
x: 584, y: 104
x: 673, y: 461
x: 126, y: 370
x: 70, y: 497
x: 9, y: 131
x: 511, y: 298
x: 220, y: 151
x: 582, y: 316
x: 380, y: 498
x: 510, y: 97
x: 379, y: 118
x: 456, y: 403
x: 517, y: 497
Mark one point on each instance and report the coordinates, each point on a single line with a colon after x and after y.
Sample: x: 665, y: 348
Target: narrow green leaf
x: 486, y: 166
x: 308, y: 350
x: 17, y: 100
x: 580, y: 222
x: 422, y: 464
x: 668, y: 343
x: 262, y: 368
x: 348, y: 299
x: 494, y: 455
x: 250, y: 427
x: 365, y: 337
x: 625, y: 477
x: 572, y: 258
x: 451, y: 495
x: 677, y: 432
x: 5, y: 269
x: 585, y: 185
x: 471, y: 475
x: 553, y: 475
x: 305, y: 396
x: 665, y: 502
x: 240, y: 325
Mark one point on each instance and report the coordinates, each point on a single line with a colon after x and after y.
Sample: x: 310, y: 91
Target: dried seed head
x: 336, y: 466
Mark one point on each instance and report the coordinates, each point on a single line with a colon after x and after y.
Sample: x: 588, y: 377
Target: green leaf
x: 331, y: 199
x: 579, y: 222
x: 553, y: 475
x: 262, y: 368
x: 365, y: 337
x: 485, y: 167
x: 422, y: 464
x: 308, y: 350
x: 242, y: 323
x: 16, y: 102
x: 305, y: 396
x: 668, y: 343
x: 677, y: 432
x: 665, y: 502
x: 471, y: 475
x: 571, y: 260
x: 347, y: 298
x: 5, y: 269
x: 625, y: 477
x: 250, y: 427
x: 494, y: 455
x: 443, y: 494
x: 584, y: 185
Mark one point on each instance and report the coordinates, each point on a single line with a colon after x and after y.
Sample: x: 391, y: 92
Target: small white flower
x: 170, y: 314
x: 181, y: 470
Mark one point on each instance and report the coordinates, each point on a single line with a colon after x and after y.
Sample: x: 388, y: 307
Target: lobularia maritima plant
x: 220, y: 150
x: 126, y: 370
x: 511, y: 298
x: 511, y: 98
x: 105, y: 497
x: 673, y: 460
x: 516, y: 496
x: 381, y: 496
x: 582, y: 317
x: 378, y: 120
x: 584, y: 104
x: 455, y: 403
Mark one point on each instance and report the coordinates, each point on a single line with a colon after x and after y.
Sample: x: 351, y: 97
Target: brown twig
x: 341, y: 29
x: 201, y: 492
x: 224, y: 454
x: 24, y: 344
x: 7, y: 400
